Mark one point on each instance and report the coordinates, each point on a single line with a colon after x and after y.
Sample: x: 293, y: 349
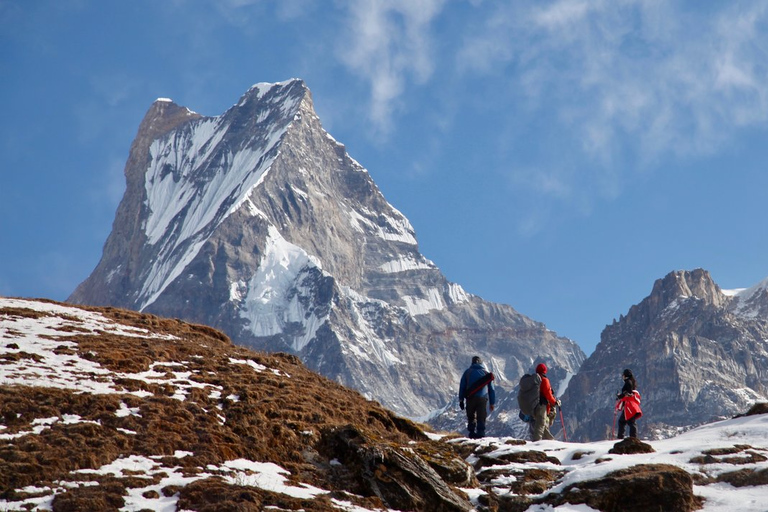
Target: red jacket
x: 630, y: 404
x: 545, y: 392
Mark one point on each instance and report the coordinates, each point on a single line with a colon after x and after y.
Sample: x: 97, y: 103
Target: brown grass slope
x: 102, y: 408
x: 323, y: 434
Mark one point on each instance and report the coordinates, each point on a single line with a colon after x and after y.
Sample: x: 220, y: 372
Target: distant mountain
x: 257, y: 222
x: 108, y: 409
x: 699, y: 354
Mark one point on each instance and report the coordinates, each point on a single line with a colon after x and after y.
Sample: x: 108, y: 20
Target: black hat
x: 627, y: 373
x: 477, y: 360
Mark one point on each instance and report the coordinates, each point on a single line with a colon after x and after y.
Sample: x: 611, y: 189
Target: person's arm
x: 626, y: 390
x: 546, y: 392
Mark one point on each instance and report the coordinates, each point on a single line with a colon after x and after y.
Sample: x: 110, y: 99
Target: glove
x: 461, y: 404
x: 559, y: 403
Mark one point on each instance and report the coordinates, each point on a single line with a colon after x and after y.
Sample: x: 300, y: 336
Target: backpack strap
x: 481, y: 383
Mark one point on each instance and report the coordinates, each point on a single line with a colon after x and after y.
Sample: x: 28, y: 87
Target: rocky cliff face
x: 259, y: 223
x: 698, y: 354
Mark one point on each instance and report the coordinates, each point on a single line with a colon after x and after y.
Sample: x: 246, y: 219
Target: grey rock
x: 698, y: 355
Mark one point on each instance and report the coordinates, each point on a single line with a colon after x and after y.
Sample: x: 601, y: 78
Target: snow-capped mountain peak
x: 258, y: 222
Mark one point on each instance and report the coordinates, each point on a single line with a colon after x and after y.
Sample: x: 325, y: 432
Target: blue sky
x: 558, y: 156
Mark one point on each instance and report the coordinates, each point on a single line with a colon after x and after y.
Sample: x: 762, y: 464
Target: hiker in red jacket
x: 544, y: 413
x: 628, y: 403
x: 476, y: 387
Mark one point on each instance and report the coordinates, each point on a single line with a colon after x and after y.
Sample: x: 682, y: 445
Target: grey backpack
x: 528, y: 394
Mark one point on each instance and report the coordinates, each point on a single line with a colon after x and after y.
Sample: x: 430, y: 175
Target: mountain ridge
x: 258, y: 222
x: 696, y: 359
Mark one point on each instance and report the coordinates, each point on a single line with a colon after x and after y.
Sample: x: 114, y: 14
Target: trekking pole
x: 565, y: 437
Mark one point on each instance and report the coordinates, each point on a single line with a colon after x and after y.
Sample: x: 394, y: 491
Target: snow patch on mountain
x: 187, y: 198
x: 274, y: 296
x: 56, y: 362
x: 262, y: 89
x: 405, y: 263
x: 393, y: 229
x: 365, y: 343
x: 421, y: 306
x: 173, y: 159
x: 457, y: 293
x: 746, y: 297
x: 564, y: 384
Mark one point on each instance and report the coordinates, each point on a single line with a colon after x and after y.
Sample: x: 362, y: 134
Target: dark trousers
x: 476, y: 414
x: 623, y: 424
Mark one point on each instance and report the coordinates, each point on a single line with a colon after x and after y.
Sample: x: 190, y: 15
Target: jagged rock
x: 698, y: 355
x: 399, y: 477
x: 636, y: 489
x: 631, y: 445
x: 258, y: 223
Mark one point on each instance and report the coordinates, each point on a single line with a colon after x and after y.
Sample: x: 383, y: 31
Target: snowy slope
x: 193, y: 183
x: 742, y: 444
x: 50, y: 361
x: 750, y: 303
x: 84, y: 370
x: 65, y: 357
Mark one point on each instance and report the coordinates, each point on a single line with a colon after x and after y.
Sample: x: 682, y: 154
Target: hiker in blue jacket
x: 476, y: 399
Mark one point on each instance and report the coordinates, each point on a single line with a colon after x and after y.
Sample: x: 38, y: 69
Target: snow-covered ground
x: 50, y: 360
x: 591, y: 461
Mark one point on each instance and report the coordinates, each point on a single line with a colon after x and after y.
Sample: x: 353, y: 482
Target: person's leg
x: 632, y: 426
x: 622, y: 425
x: 547, y: 434
x: 540, y: 421
x: 482, y: 414
x: 551, y: 421
x: 471, y: 417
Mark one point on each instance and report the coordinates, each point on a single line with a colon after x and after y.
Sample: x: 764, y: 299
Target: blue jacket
x: 471, y: 375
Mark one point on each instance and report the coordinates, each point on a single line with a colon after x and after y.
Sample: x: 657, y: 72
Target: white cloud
x: 648, y: 77
x: 388, y: 44
x: 624, y: 85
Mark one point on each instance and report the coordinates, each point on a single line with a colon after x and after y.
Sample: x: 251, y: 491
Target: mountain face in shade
x: 698, y: 353
x: 257, y: 222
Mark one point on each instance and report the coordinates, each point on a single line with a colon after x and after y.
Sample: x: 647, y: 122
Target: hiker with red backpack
x: 544, y: 413
x: 476, y: 387
x: 628, y: 404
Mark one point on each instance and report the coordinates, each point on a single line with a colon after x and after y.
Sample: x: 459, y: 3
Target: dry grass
x: 284, y: 414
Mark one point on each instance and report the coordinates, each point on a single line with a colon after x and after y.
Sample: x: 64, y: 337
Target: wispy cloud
x: 631, y: 82
x: 388, y: 44
x: 675, y: 81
